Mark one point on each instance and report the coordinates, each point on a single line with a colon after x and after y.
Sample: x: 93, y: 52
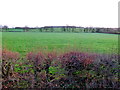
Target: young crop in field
x: 24, y: 42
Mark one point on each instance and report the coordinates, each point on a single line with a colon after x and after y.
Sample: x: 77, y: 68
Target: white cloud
x: 103, y: 13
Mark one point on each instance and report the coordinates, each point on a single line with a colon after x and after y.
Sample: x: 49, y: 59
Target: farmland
x: 59, y: 60
x: 24, y: 42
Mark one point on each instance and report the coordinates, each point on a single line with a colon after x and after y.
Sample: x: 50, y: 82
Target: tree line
x: 74, y: 29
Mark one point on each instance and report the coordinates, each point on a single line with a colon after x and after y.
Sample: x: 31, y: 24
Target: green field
x: 24, y: 42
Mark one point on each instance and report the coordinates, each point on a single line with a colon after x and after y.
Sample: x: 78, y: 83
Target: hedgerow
x: 68, y: 70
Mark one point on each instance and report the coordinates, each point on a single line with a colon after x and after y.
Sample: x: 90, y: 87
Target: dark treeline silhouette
x: 74, y: 29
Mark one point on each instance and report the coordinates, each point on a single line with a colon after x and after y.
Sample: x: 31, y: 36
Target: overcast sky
x: 96, y: 13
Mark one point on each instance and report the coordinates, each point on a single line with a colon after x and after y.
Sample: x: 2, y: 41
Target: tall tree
x: 5, y: 27
x: 26, y: 29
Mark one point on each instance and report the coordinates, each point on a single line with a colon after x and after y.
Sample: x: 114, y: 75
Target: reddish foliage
x: 50, y: 57
x: 88, y: 61
x: 8, y: 61
x: 8, y: 55
x: 76, y: 57
x: 75, y: 64
x: 30, y: 56
x: 37, y: 58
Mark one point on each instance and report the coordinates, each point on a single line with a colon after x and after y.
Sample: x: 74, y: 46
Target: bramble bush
x: 68, y: 70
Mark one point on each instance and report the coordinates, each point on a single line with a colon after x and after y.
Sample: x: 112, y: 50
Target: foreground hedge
x: 68, y: 70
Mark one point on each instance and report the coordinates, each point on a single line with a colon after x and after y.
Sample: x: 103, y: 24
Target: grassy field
x: 24, y: 42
